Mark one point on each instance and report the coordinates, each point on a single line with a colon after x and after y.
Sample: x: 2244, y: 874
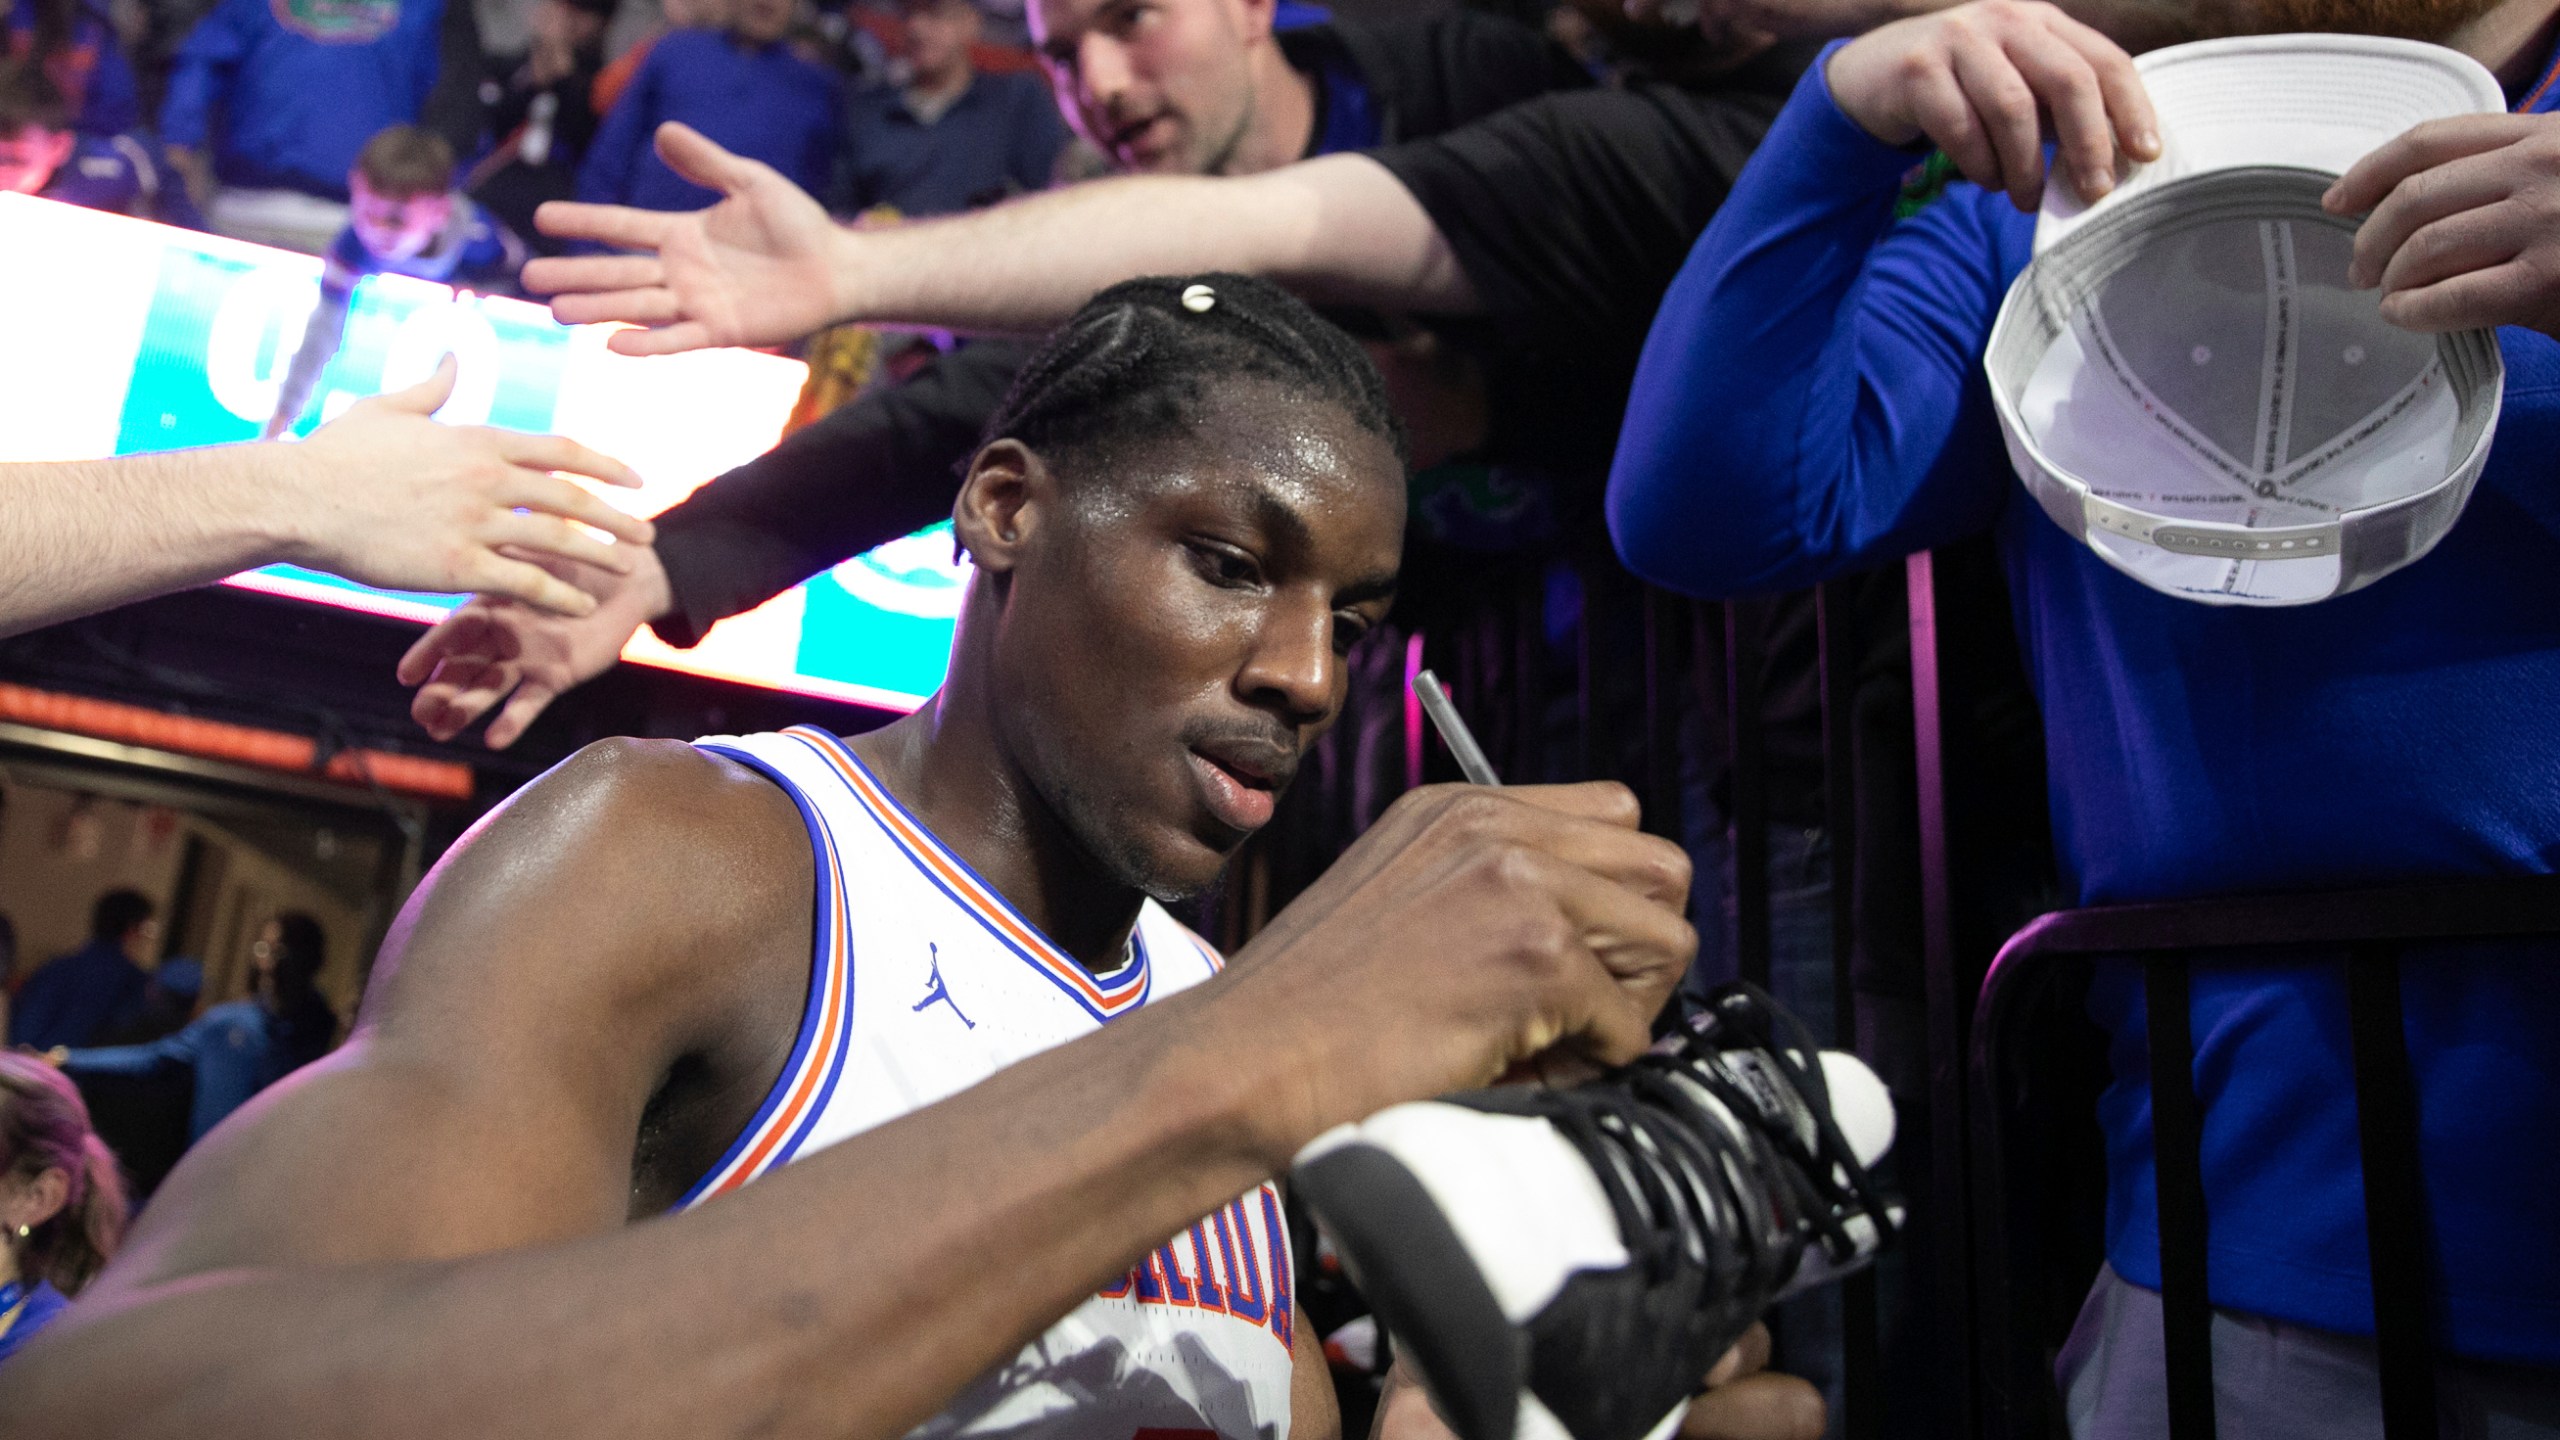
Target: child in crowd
x: 405, y: 219
x: 269, y: 101
x: 42, y: 154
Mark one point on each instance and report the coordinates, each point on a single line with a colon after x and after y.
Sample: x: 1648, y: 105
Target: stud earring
x: 25, y: 1230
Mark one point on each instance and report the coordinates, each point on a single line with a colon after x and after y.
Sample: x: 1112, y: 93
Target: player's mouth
x: 1241, y: 780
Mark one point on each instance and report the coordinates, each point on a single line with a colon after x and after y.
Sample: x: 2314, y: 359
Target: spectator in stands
x: 61, y: 1201
x: 405, y: 219
x: 42, y: 154
x: 236, y: 1050
x: 96, y: 988
x: 946, y: 138
x: 1813, y: 402
x: 1219, y: 88
x: 544, y: 114
x: 288, y: 91
x: 745, y: 87
x: 77, y: 49
x: 677, y: 15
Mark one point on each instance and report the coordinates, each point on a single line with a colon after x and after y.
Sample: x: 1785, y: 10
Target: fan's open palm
x: 753, y: 269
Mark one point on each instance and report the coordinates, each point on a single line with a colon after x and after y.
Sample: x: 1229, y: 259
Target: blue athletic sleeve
x: 1804, y: 406
x: 169, y: 1051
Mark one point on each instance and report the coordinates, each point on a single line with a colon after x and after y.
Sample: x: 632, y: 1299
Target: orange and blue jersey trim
x: 2541, y: 98
x: 792, y: 1107
x: 1104, y: 997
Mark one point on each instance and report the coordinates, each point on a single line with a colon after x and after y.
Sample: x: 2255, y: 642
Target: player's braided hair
x: 1140, y: 361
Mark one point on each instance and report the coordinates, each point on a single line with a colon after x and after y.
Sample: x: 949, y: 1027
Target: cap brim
x: 2305, y: 102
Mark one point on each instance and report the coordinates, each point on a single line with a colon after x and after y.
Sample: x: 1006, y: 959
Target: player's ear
x: 1005, y: 497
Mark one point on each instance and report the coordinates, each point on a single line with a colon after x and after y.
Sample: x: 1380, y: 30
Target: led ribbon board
x: 123, y: 337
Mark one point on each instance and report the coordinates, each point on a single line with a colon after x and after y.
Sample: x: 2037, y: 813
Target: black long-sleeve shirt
x: 866, y: 473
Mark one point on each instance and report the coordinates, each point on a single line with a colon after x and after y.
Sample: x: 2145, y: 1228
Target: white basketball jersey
x: 925, y: 981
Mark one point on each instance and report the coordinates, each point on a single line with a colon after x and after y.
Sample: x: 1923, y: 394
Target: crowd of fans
x: 1690, y: 292
x: 268, y: 122
x: 97, y: 1011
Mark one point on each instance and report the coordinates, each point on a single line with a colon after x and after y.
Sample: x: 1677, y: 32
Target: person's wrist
x: 849, y: 295
x: 274, y: 502
x: 1247, y: 1090
x: 651, y: 594
x: 1847, y: 77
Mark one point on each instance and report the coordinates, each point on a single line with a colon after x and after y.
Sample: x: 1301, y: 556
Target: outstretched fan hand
x: 753, y: 269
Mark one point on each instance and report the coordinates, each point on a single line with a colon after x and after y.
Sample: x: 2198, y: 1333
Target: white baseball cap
x: 2184, y: 378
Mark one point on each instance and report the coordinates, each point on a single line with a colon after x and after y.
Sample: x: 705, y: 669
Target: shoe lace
x: 1734, y: 1201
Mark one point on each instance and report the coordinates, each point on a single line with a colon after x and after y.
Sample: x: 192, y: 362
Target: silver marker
x: 1453, y: 730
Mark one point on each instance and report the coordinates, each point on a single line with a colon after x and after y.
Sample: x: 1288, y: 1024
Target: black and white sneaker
x: 1567, y: 1264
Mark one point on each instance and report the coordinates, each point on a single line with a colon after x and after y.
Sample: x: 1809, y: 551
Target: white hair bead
x: 1198, y: 298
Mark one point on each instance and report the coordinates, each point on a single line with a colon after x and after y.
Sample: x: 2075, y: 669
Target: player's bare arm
x: 427, y: 1236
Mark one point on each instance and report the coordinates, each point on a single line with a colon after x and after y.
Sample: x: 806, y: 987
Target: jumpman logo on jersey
x: 941, y: 991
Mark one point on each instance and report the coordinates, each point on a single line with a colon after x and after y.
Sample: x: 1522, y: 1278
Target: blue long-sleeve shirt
x: 763, y: 102
x: 234, y: 1051
x: 1812, y: 402
x: 300, y: 85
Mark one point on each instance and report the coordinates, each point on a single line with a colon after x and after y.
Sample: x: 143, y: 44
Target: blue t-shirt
x: 763, y: 102
x: 294, y: 88
x: 35, y: 1309
x: 1000, y: 137
x: 1812, y: 402
x: 77, y: 998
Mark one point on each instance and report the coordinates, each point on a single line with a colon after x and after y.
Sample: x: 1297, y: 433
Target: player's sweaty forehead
x: 1304, y: 490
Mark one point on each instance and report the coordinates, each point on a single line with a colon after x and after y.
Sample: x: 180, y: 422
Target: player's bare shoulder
x: 623, y: 860
x: 642, y: 906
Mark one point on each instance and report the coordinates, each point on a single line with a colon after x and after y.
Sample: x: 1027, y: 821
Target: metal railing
x: 2366, y: 932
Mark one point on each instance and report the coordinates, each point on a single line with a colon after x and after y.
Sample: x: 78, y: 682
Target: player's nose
x: 1292, y: 667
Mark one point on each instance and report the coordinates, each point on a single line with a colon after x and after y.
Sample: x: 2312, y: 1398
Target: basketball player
x: 787, y: 1085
